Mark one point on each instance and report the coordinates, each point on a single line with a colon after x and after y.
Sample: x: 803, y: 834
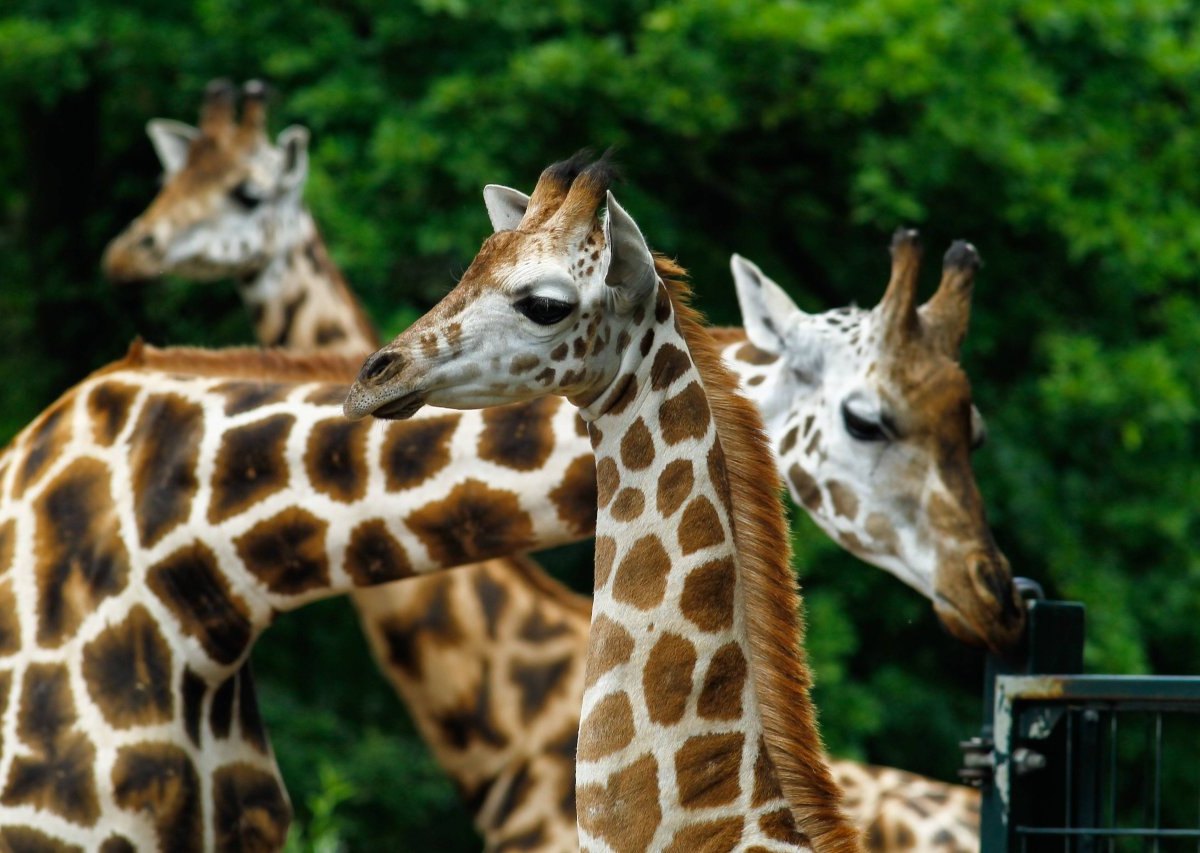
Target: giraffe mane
x: 723, y: 335
x: 777, y: 658
x: 239, y: 363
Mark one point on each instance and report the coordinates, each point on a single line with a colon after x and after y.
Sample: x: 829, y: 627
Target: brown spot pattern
x: 717, y: 836
x: 536, y: 682
x: 192, y: 586
x: 336, y: 458
x: 637, y: 447
x: 789, y: 441
x: 685, y: 415
x: 608, y: 728
x: 751, y: 354
x: 606, y: 552
x: 520, y: 437
x: 108, y: 407
x: 608, y: 478
x: 429, y: 619
x: 165, y: 445
x: 80, y: 557
x: 250, y: 810
x: 674, y: 485
x: 44, y: 444
x: 413, y: 451
x: 706, y: 767
x: 10, y: 622
x: 7, y: 534
x: 328, y: 395
x: 707, y: 598
x: 26, y: 839
x: 641, y: 578
x: 662, y: 304
x: 766, y: 785
x: 474, y: 522
x: 576, y: 497
x: 625, y: 812
x: 717, y: 475
x: 700, y: 526
x: 250, y: 465
x: 159, y: 781
x: 610, y: 646
x: 243, y: 396
x: 56, y: 775
x: 670, y: 363
x: 624, y: 390
x: 880, y: 529
x: 667, y: 678
x: 721, y: 696
x: 127, y: 670
x: 781, y: 825
x: 375, y: 556
x: 845, y: 502
x: 804, y: 488
x: 287, y: 552
x: 628, y: 505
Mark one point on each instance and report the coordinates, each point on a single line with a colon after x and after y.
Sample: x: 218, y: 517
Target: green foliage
x: 1058, y: 136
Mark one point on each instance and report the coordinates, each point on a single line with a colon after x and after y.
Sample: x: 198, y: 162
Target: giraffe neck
x: 673, y: 745
x: 299, y: 300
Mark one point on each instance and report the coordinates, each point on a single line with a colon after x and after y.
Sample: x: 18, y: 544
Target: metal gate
x: 1089, y: 763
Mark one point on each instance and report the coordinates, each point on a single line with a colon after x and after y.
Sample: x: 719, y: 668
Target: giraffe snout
x: 132, y: 256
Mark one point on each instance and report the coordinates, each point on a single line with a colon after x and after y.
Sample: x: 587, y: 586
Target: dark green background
x: 1060, y: 136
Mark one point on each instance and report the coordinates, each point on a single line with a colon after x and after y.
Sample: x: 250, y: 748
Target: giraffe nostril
x: 147, y: 243
x: 377, y: 365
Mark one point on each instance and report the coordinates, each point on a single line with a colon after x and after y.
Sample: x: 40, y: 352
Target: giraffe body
x: 157, y: 518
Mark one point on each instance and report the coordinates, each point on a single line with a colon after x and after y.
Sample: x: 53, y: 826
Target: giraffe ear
x: 768, y: 313
x: 630, y: 265
x: 171, y: 140
x: 505, y: 206
x: 293, y: 142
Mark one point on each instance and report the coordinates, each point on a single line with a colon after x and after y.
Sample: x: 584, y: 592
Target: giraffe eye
x: 861, y: 428
x: 247, y: 195
x: 543, y: 310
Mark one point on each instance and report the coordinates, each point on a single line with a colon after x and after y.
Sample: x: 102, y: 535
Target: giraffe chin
x: 400, y: 409
x: 982, y: 630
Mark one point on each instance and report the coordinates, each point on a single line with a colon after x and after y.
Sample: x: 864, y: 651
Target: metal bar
x: 1070, y: 776
x: 1158, y: 729
x: 1112, y: 776
x: 1130, y: 690
x: 1121, y: 832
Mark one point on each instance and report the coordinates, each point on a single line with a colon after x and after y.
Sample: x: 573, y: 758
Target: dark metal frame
x: 1047, y: 758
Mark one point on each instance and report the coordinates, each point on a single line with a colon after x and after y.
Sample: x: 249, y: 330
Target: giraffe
x: 697, y: 725
x: 157, y: 518
x: 231, y: 205
x: 487, y: 649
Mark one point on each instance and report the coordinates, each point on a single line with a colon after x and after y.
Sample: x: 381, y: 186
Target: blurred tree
x: 1058, y: 136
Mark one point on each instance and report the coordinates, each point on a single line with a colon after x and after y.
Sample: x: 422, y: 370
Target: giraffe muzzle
x: 983, y: 607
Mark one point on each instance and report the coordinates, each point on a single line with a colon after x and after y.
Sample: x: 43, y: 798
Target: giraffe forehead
x: 927, y: 395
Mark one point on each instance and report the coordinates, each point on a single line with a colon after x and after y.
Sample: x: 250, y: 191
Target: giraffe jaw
x: 402, y: 408
x: 360, y: 403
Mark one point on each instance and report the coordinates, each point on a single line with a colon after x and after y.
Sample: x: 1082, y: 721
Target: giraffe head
x: 871, y: 417
x: 229, y: 198
x: 556, y: 302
